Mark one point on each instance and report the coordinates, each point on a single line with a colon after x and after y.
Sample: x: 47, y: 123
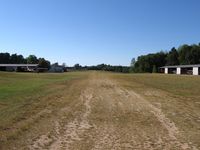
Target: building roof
x: 182, y: 66
x: 18, y: 65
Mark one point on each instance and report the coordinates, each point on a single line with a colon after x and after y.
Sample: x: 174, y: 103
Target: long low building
x: 18, y: 65
x: 181, y: 69
x: 15, y: 67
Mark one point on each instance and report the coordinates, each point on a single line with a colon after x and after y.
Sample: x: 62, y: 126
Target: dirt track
x: 111, y: 117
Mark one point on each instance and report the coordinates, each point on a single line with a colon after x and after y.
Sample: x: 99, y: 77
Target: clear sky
x: 91, y: 32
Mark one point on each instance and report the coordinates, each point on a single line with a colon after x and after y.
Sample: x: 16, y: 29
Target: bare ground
x: 112, y: 117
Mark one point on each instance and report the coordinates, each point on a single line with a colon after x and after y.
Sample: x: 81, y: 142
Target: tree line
x: 7, y: 58
x: 184, y: 55
x: 103, y: 67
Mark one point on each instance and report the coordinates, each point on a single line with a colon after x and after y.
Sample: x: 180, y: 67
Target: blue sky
x: 91, y: 32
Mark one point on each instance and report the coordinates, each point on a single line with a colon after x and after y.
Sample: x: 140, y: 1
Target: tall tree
x: 4, y: 58
x: 195, y: 54
x: 154, y: 69
x: 172, y: 57
x: 133, y: 62
x: 13, y: 59
x: 184, y: 54
x: 77, y: 66
x: 32, y: 59
x: 145, y: 63
x: 43, y: 63
x: 21, y: 59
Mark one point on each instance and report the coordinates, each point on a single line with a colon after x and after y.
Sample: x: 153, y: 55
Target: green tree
x: 133, y: 61
x: 32, y: 59
x: 172, y: 57
x: 4, y: 58
x: 145, y: 63
x: 184, y: 54
x: 17, y: 59
x: 154, y: 69
x: 195, y: 54
x: 43, y: 63
x: 125, y: 69
x: 13, y: 59
x: 77, y: 67
x: 189, y: 54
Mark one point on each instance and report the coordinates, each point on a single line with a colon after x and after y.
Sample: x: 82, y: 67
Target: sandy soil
x: 112, y: 117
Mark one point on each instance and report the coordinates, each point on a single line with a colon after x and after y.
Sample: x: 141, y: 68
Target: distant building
x: 18, y: 67
x: 56, y: 68
x: 181, y: 69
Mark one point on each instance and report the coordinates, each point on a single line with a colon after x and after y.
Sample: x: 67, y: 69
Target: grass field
x: 24, y: 95
x: 99, y: 110
x: 178, y: 96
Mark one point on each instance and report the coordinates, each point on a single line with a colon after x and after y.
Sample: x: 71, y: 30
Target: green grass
x: 182, y: 85
x: 16, y: 84
x: 178, y: 96
x: 26, y: 97
x: 25, y: 94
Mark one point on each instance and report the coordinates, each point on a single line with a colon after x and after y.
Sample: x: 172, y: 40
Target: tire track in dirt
x: 76, y: 128
x: 115, y: 118
x: 110, y: 138
x: 169, y: 125
x: 72, y: 130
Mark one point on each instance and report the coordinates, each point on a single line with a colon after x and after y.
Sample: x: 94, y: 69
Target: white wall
x: 178, y: 70
x: 166, y: 70
x: 195, y: 71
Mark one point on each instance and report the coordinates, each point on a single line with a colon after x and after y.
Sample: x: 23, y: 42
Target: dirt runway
x: 110, y: 117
